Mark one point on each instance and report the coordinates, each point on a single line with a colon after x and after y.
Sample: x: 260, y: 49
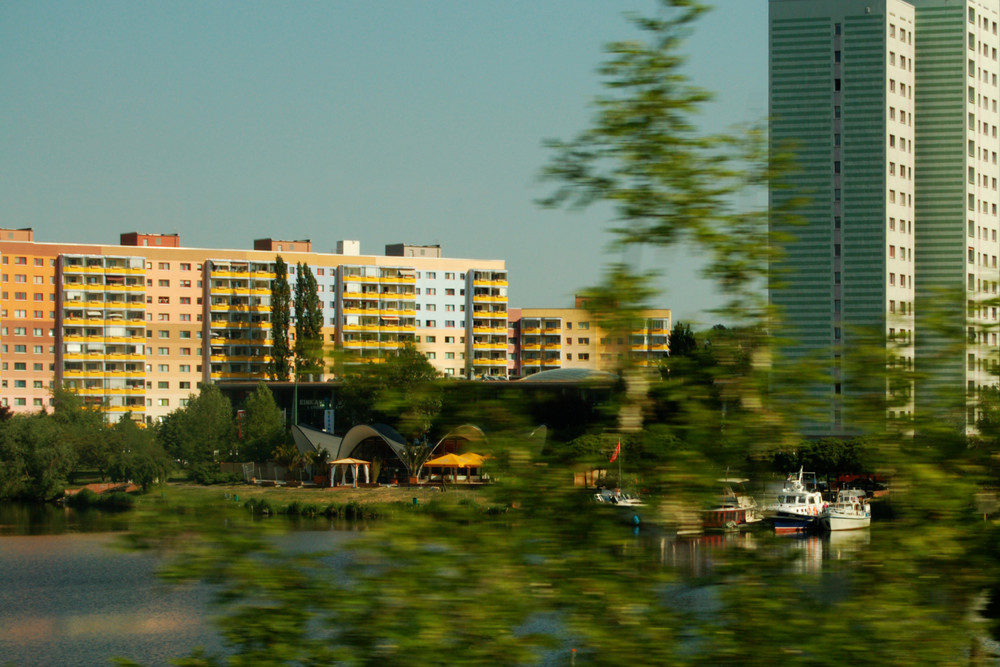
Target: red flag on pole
x: 618, y: 450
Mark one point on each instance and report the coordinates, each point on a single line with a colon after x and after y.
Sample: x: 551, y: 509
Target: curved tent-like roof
x: 466, y: 432
x: 389, y: 436
x: 309, y: 439
x: 571, y: 376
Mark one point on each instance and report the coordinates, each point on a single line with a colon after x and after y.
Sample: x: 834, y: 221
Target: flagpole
x: 620, y: 485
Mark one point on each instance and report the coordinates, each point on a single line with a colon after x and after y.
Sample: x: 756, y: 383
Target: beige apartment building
x: 542, y: 339
x: 136, y: 327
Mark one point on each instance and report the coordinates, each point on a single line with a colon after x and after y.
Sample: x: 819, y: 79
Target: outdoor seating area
x: 455, y: 468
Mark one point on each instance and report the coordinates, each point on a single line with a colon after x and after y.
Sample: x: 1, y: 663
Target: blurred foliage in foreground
x: 457, y: 584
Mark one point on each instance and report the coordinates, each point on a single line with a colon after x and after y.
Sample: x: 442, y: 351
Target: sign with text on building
x: 328, y: 420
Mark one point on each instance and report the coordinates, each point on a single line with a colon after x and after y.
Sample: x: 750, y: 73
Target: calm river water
x: 67, y: 597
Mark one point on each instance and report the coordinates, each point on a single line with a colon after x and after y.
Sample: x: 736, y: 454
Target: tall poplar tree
x: 281, y: 296
x: 308, y: 323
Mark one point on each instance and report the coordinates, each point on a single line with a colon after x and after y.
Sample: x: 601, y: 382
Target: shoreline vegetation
x: 336, y: 502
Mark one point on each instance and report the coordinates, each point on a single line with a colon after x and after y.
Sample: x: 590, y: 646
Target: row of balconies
x: 105, y: 340
x: 92, y: 303
x: 70, y: 268
x: 239, y: 308
x: 102, y: 391
x: 113, y: 321
x: 227, y: 358
x: 242, y: 272
x: 384, y: 328
x: 396, y: 312
x: 225, y: 291
x: 374, y: 344
x: 497, y: 362
x: 70, y: 373
x: 108, y: 356
x: 222, y: 324
x: 380, y: 280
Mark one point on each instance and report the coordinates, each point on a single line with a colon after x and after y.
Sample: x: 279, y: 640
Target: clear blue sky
x: 389, y: 121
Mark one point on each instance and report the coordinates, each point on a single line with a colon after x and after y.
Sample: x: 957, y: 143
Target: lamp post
x: 295, y: 397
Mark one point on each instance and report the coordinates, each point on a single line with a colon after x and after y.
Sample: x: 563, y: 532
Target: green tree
x: 201, y: 432
x: 83, y: 429
x: 264, y: 428
x: 136, y: 456
x: 35, y: 457
x: 682, y: 341
x: 288, y: 457
x: 308, y: 324
x: 281, y: 352
x: 404, y: 390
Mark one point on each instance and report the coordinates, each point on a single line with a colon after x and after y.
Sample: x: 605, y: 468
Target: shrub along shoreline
x: 338, y: 502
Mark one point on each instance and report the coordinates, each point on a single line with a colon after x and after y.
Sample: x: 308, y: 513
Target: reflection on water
x: 67, y: 597
x: 46, y: 519
x: 70, y: 600
x: 810, y: 553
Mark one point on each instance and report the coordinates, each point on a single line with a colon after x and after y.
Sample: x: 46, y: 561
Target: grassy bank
x: 375, y: 501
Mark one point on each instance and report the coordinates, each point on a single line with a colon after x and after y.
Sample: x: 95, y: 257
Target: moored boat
x: 628, y: 506
x: 851, y: 511
x: 797, y: 509
x: 735, y: 509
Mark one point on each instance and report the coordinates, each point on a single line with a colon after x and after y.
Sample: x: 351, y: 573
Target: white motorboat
x: 850, y: 512
x: 797, y: 509
x: 628, y: 505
